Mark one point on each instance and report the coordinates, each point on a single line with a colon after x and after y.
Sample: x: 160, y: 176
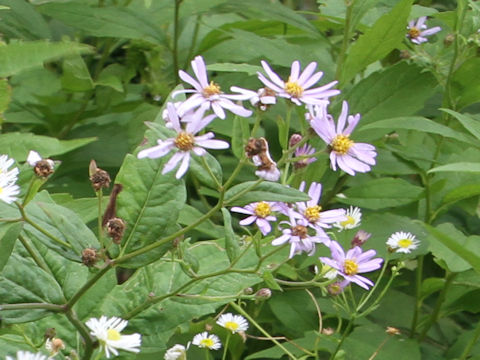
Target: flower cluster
x: 8, y: 178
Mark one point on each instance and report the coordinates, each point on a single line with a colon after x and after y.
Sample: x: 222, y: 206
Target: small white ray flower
x: 176, y: 352
x: 5, y: 173
x: 184, y: 142
x: 206, y: 340
x: 207, y: 95
x: 234, y: 323
x: 27, y: 355
x: 296, y: 88
x: 8, y: 189
x: 402, y: 242
x: 354, y: 217
x: 107, y: 331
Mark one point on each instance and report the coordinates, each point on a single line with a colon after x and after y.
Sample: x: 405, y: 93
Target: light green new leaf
x: 469, y: 123
x: 382, y: 193
x: 18, y: 56
x: 421, y: 124
x: 264, y: 191
x: 457, y: 251
x: 384, y: 36
x: 17, y: 145
x: 149, y: 204
x: 457, y: 167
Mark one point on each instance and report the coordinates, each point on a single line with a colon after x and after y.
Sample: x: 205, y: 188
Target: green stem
x: 346, y: 40
x: 473, y: 341
x: 176, y: 33
x: 235, y: 172
x: 210, y: 172
x: 89, y: 284
x: 436, y: 311
x: 165, y: 240
x: 35, y: 256
x: 100, y: 217
x: 262, y: 330
x: 418, y: 294
x: 72, y: 317
x: 344, y: 336
x: 32, y: 306
x: 225, y: 348
x: 372, y: 290
x: 194, y: 41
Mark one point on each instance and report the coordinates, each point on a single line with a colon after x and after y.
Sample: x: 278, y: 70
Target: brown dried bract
x: 115, y: 229
x: 89, y: 257
x: 98, y: 177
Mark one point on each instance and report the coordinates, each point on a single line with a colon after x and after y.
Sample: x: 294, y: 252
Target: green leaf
x: 421, y: 124
x: 387, y: 93
x: 76, y: 76
x: 457, y: 251
x: 111, y: 21
x: 230, y: 67
x: 19, y: 144
x: 62, y: 230
x: 5, y: 97
x: 270, y: 280
x: 23, y: 21
x: 149, y: 204
x: 198, y: 169
x: 384, y: 36
x: 22, y: 281
x: 253, y: 191
x: 457, y: 167
x: 461, y: 193
x: 8, y: 235
x: 189, y: 214
x: 382, y: 193
x: 463, y: 88
x: 231, y: 242
x: 469, y: 123
x: 240, y: 135
x: 18, y: 56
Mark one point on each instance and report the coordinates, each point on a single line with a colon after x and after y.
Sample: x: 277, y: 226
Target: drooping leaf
x: 18, y: 56
x: 241, y: 194
x: 8, y: 235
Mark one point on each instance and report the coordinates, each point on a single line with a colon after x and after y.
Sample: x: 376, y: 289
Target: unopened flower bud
x: 54, y: 345
x: 263, y: 294
x: 449, y: 39
x: 89, y: 257
x: 98, y: 177
x: 248, y: 291
x: 294, y: 140
x: 335, y: 288
x: 328, y: 331
x: 405, y: 54
x: 50, y: 333
x: 115, y: 229
x: 208, y: 327
x: 360, y: 238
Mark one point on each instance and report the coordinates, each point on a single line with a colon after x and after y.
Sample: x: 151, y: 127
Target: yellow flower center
x: 293, y: 89
x: 300, y: 231
x: 207, y: 342
x: 230, y: 325
x: 413, y: 33
x: 184, y: 141
x: 113, y: 334
x: 405, y: 243
x: 350, y: 267
x: 312, y: 213
x: 341, y: 144
x: 1, y: 190
x: 212, y: 89
x: 350, y: 221
x: 262, y: 209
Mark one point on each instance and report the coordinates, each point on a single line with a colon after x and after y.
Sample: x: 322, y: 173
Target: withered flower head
x: 89, y: 257
x: 257, y: 150
x: 294, y: 140
x: 42, y: 167
x: 360, y: 238
x: 98, y: 177
x: 255, y: 147
x: 115, y: 229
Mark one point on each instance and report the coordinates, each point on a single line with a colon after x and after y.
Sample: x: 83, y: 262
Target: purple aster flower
x: 296, y: 88
x: 305, y: 150
x: 207, y: 95
x: 260, y: 213
x: 184, y: 142
x: 352, y: 263
x: 312, y: 212
x: 296, y: 233
x: 418, y: 30
x: 350, y: 156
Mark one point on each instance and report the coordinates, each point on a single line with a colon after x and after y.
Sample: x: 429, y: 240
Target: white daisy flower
x: 107, y: 331
x: 354, y: 217
x: 234, y: 323
x: 176, y: 352
x: 402, y: 242
x: 206, y: 340
x: 27, y: 355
